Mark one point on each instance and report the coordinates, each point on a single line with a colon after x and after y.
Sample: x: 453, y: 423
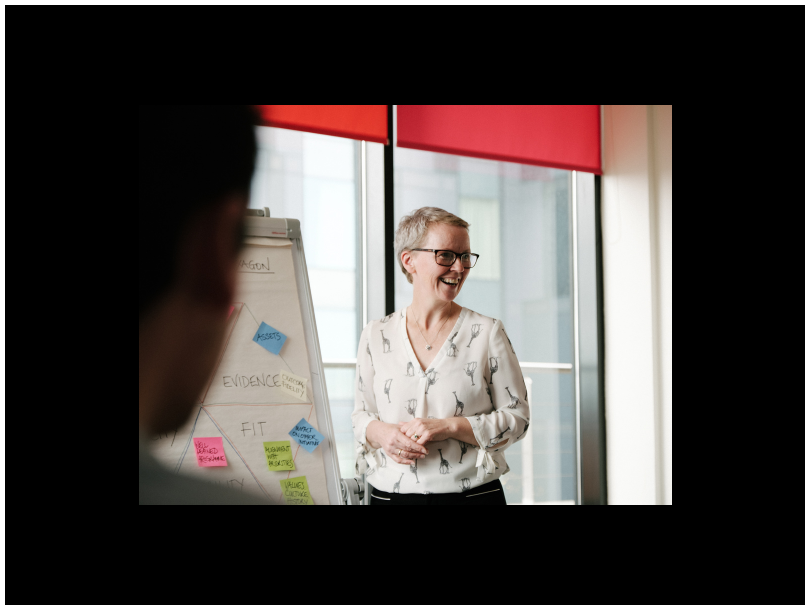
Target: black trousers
x: 489, y: 494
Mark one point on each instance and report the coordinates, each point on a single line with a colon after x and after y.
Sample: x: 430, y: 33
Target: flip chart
x: 296, y: 491
x: 242, y: 402
x: 306, y: 436
x: 278, y: 455
x: 209, y: 451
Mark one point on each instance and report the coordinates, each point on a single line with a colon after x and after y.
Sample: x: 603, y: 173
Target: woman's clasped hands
x: 426, y: 429
x: 399, y: 447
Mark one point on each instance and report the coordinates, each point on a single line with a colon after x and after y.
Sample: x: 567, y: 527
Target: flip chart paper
x: 306, y: 436
x: 278, y: 455
x: 209, y: 451
x: 269, y: 338
x: 293, y: 385
x: 296, y: 491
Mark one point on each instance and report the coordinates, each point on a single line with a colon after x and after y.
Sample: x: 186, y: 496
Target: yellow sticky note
x: 296, y: 491
x: 294, y: 385
x: 278, y: 455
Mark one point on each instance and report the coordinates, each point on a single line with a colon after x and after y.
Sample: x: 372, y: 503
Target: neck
x: 431, y: 314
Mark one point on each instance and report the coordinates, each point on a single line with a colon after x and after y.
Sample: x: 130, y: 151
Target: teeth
x: 452, y: 282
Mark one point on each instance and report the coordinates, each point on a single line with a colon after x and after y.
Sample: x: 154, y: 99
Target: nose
x: 457, y: 266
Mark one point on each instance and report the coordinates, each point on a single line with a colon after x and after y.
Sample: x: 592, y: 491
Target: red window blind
x: 566, y: 137
x: 357, y: 122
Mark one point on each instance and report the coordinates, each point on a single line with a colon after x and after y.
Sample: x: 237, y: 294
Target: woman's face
x: 433, y: 280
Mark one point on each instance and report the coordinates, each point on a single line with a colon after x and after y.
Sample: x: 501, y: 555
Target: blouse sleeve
x: 509, y: 420
x: 365, y: 404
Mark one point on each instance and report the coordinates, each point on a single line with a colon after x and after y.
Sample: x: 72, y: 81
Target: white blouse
x: 475, y: 374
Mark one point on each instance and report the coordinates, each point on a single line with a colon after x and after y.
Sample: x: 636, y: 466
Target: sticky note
x: 293, y: 385
x: 230, y: 311
x: 278, y: 455
x: 269, y: 338
x: 296, y: 491
x: 209, y: 451
x: 306, y: 436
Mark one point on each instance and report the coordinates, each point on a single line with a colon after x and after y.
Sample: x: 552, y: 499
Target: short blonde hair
x: 413, y: 229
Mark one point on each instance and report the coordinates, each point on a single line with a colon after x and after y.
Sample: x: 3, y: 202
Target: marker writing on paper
x: 304, y: 439
x: 245, y: 381
x: 232, y: 483
x: 256, y: 267
x: 296, y: 491
x: 252, y: 426
x: 273, y: 336
x: 279, y: 455
x: 207, y: 454
x: 270, y: 338
x: 294, y: 385
x: 162, y: 435
x: 306, y: 435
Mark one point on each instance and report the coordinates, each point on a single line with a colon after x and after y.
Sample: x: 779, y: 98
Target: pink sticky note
x: 230, y: 312
x: 209, y: 451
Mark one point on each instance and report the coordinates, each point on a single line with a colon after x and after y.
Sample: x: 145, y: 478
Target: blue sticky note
x: 306, y: 436
x: 269, y: 338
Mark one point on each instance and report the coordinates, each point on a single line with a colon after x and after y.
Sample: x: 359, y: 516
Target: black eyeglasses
x: 446, y: 258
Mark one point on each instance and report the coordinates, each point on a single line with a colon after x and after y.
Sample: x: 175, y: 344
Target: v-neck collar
x: 403, y: 332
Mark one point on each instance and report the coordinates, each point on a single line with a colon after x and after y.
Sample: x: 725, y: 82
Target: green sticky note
x: 278, y: 455
x: 296, y: 491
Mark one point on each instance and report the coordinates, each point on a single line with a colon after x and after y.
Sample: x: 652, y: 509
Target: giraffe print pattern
x: 402, y: 391
x: 469, y: 370
x: 459, y: 406
x: 475, y: 330
x: 494, y: 441
x: 452, y: 350
x: 444, y: 466
x: 515, y: 400
x: 463, y: 446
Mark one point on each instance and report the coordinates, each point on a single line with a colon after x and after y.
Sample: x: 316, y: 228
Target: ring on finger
x: 400, y: 453
x: 415, y: 437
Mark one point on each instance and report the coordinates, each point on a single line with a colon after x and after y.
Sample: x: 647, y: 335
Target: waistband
x: 485, y: 488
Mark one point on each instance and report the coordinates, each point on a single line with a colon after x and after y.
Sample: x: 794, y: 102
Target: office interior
x: 576, y: 259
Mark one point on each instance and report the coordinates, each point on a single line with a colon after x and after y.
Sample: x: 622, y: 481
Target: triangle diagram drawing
x: 247, y: 373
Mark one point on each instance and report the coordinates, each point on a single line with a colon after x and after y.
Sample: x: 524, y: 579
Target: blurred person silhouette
x: 195, y: 168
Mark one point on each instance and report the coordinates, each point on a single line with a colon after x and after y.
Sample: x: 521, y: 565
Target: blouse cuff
x: 484, y: 461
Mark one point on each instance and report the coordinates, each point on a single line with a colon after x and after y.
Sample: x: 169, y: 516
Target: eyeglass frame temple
x: 456, y: 254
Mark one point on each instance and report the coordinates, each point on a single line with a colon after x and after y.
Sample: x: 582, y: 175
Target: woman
x: 435, y: 380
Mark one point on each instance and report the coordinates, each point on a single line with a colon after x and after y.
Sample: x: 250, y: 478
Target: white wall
x: 637, y: 256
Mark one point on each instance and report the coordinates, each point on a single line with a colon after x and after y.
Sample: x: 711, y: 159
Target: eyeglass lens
x: 447, y: 258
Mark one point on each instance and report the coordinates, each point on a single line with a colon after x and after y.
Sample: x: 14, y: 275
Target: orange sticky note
x: 209, y: 451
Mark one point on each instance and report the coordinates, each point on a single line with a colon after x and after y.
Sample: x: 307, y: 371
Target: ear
x: 209, y: 251
x: 407, y: 262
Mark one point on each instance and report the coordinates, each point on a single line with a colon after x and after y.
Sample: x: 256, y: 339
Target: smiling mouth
x: 450, y: 282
